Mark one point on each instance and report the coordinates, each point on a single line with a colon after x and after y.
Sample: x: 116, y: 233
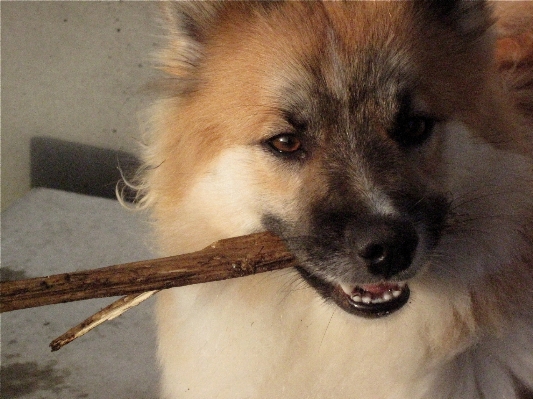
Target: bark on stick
x: 229, y: 258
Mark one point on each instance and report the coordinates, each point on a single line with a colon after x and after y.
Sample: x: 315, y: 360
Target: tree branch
x: 108, y: 313
x: 229, y: 258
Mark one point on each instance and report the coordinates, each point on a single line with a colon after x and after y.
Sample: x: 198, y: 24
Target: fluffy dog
x: 390, y: 145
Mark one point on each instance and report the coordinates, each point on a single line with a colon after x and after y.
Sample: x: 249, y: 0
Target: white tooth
x: 378, y: 300
x: 357, y: 298
x: 347, y: 288
x: 366, y: 299
x: 396, y: 294
x: 387, y: 296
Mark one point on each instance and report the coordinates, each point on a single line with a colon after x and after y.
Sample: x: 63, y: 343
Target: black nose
x: 385, y: 246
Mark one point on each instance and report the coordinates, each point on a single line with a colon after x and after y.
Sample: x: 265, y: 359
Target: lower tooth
x: 386, y: 297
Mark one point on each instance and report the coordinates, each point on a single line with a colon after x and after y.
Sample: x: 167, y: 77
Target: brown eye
x: 285, y: 143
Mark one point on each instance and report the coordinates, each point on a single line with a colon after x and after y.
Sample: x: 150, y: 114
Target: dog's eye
x: 285, y: 143
x: 414, y: 130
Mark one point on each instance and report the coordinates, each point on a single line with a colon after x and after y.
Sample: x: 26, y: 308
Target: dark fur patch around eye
x: 411, y: 128
x: 469, y: 18
x: 414, y: 130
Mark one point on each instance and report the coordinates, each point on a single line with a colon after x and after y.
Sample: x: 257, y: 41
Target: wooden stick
x: 108, y: 313
x: 230, y: 258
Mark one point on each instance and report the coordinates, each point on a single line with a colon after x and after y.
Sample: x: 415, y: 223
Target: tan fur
x: 206, y: 177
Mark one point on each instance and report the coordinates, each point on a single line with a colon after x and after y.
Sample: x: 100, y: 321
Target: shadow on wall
x: 79, y: 168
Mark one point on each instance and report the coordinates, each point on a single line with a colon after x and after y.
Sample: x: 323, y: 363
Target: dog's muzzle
x: 362, y: 264
x: 360, y: 260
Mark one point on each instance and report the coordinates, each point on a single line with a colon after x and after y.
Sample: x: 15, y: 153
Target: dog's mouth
x: 367, y: 300
x: 374, y: 300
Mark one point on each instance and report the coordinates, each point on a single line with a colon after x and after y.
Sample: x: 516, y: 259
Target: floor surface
x: 49, y: 232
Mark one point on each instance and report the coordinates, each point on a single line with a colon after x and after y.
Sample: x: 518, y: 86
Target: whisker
x: 327, y: 327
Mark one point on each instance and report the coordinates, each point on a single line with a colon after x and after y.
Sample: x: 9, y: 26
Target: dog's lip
x: 381, y: 298
x: 372, y: 300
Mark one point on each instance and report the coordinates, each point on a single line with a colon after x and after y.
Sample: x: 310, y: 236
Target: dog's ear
x: 190, y: 20
x: 470, y: 18
x: 187, y: 25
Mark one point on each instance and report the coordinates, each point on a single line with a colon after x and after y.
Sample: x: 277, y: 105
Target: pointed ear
x: 468, y: 17
x: 190, y: 19
x: 187, y: 25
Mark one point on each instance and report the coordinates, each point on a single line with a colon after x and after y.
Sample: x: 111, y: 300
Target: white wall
x: 74, y: 71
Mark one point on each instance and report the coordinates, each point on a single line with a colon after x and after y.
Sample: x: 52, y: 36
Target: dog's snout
x: 386, y: 247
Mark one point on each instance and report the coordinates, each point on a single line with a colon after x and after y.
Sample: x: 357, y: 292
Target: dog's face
x: 350, y: 129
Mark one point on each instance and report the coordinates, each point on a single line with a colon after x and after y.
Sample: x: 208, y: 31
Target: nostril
x: 386, y: 247
x: 387, y: 260
x: 373, y: 253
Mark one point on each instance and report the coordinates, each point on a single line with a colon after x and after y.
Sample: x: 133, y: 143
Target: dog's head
x: 358, y: 131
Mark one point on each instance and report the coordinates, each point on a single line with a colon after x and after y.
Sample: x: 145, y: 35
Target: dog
x: 390, y: 144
